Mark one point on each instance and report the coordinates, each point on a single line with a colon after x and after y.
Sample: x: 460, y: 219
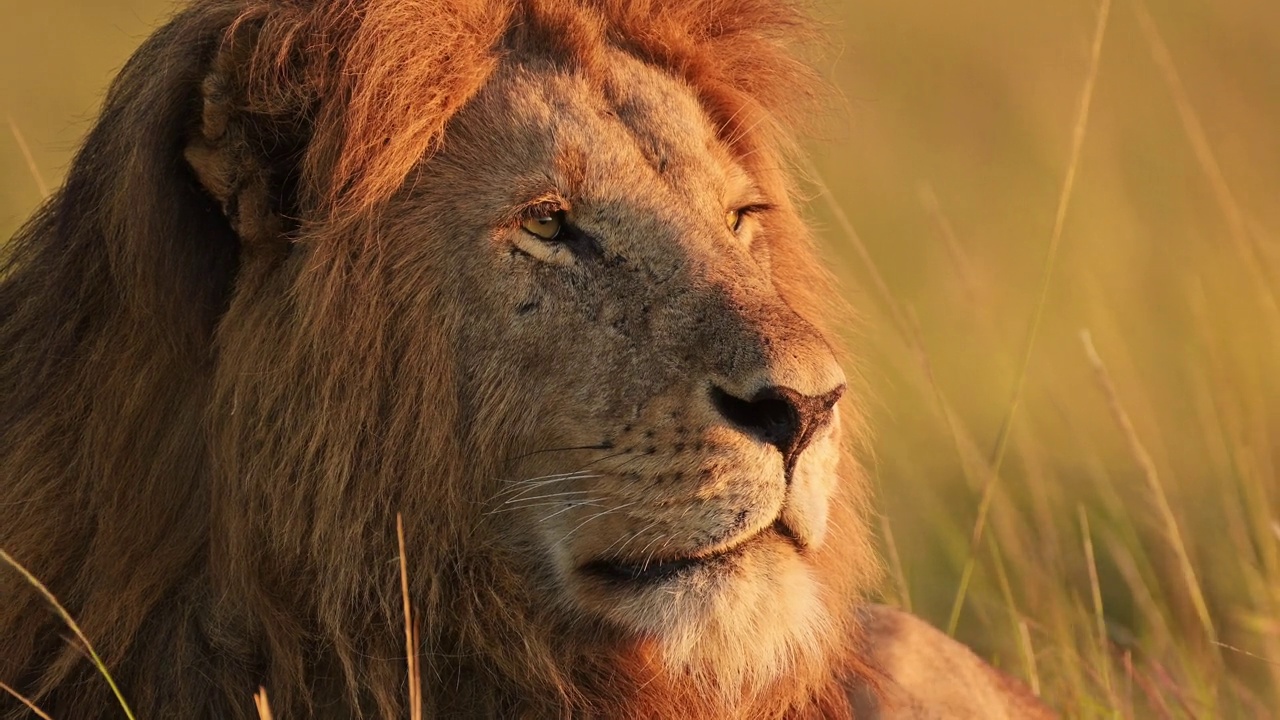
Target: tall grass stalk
x: 1237, y: 226
x: 1154, y: 485
x: 411, y: 643
x: 1046, y: 277
x: 1095, y: 589
x: 23, y: 699
x: 32, y: 167
x: 73, y: 625
x: 262, y: 704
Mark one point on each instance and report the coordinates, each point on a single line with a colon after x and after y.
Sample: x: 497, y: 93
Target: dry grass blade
x: 30, y: 705
x: 1046, y: 275
x: 1029, y: 652
x: 1021, y: 632
x: 895, y: 563
x: 895, y: 313
x: 1237, y: 226
x: 1148, y: 467
x: 1246, y: 653
x: 262, y: 704
x: 75, y: 628
x: 30, y: 159
x: 969, y: 282
x: 410, y: 630
x: 1096, y: 591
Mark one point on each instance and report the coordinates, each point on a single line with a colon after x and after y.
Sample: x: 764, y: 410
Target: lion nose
x: 780, y: 416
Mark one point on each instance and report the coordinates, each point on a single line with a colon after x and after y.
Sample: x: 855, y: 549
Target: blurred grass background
x: 1128, y: 561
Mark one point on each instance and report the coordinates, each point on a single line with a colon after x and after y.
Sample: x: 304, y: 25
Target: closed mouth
x: 620, y: 572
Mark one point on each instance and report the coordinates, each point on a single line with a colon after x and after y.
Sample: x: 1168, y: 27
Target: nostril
x: 779, y: 416
x: 770, y: 416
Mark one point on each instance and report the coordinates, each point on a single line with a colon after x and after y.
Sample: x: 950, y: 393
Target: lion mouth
x: 620, y: 572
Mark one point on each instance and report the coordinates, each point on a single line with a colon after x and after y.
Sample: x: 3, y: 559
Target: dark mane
x: 210, y: 537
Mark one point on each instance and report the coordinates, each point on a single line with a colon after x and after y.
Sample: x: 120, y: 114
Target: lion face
x: 670, y: 424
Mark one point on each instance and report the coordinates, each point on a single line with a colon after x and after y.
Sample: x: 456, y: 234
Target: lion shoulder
x: 926, y: 675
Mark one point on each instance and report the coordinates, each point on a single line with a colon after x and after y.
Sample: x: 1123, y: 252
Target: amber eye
x: 733, y: 220
x: 546, y: 226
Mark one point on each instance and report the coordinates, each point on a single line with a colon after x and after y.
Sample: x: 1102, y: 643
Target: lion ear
x: 247, y: 160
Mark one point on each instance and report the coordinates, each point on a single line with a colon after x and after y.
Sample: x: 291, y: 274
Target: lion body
x: 284, y: 296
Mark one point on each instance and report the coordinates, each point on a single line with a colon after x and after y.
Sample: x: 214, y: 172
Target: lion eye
x: 733, y: 220
x: 546, y: 226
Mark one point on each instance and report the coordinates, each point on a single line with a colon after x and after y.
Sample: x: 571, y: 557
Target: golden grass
x: 1208, y: 160
x: 41, y: 186
x: 73, y: 626
x: 261, y: 702
x: 22, y: 699
x: 1046, y: 278
x: 1109, y: 601
x: 1144, y: 461
x: 411, y: 636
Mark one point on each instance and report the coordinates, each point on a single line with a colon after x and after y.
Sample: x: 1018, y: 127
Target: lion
x: 528, y: 273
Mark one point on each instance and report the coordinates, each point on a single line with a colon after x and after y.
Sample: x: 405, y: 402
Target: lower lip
x: 650, y: 574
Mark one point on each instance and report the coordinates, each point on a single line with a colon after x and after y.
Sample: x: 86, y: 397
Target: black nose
x: 779, y: 416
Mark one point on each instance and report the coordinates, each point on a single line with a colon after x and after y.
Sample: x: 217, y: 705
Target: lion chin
x: 744, y: 615
x: 527, y: 274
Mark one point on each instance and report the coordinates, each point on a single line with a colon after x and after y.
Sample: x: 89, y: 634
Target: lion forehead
x: 608, y: 121
x: 662, y: 112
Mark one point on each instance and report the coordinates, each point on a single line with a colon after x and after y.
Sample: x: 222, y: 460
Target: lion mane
x: 205, y: 464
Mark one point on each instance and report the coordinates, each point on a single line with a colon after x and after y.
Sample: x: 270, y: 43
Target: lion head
x: 527, y: 273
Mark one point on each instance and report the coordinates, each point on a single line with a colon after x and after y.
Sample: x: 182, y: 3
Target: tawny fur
x: 284, y: 296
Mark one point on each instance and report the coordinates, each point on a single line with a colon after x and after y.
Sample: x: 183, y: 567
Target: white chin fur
x: 738, y: 630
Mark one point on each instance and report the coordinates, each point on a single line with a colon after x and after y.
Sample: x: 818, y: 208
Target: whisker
x: 627, y: 539
x: 580, y: 525
x: 649, y: 558
x: 567, y: 508
x: 520, y: 487
x: 544, y: 497
x: 543, y: 478
x: 569, y: 505
x: 599, y: 446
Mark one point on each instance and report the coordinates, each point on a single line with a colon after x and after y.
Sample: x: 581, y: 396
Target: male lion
x: 527, y: 272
